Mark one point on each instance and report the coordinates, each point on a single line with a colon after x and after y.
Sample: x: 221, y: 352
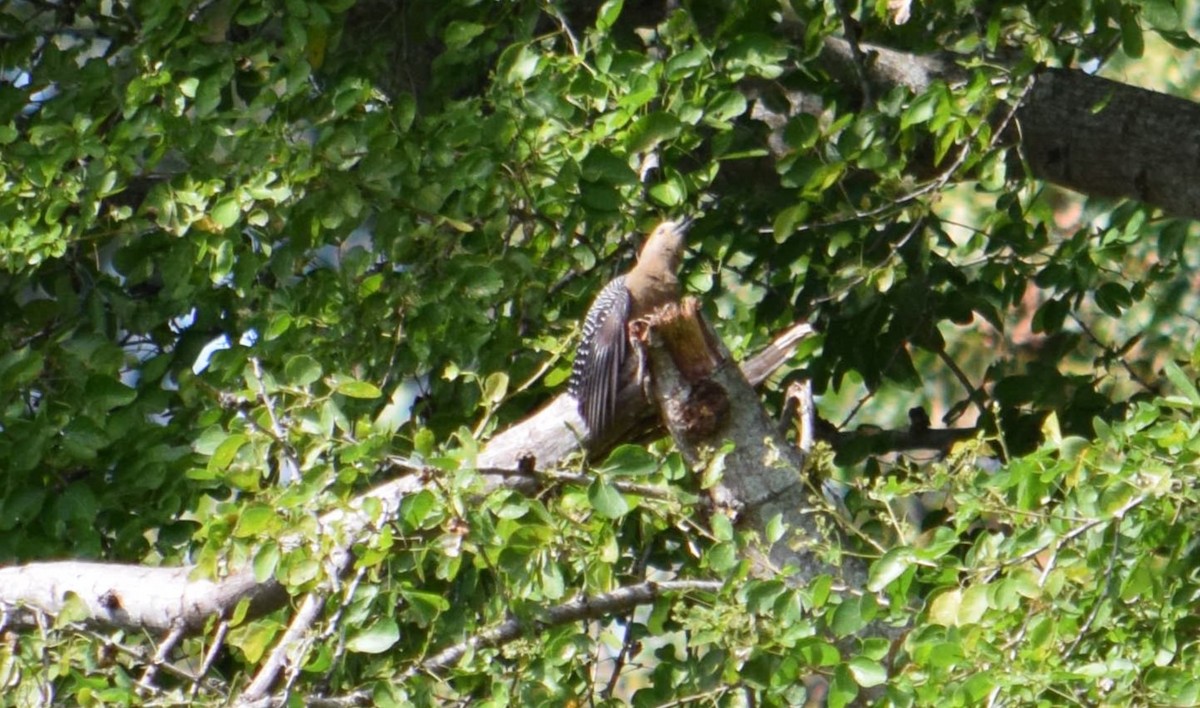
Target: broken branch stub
x: 706, y: 402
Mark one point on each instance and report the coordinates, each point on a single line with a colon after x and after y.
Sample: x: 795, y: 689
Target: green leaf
x: 266, y: 560
x: 377, y: 638
x: 459, y: 33
x: 726, y: 106
x: 301, y: 370
x: 356, y: 389
x: 76, y: 504
x: 1161, y: 15
x: 1182, y: 382
x: 604, y: 166
x: 722, y: 527
x: 756, y: 54
x: 921, y: 109
x: 421, y: 510
x: 1112, y: 298
x: 761, y: 595
x: 608, y: 14
x: 424, y: 606
x: 867, y: 673
x: 722, y: 557
x: 776, y: 528
x: 424, y: 442
x: 652, y: 129
x: 255, y: 519
x: 226, y: 212
x: 518, y: 64
x: 847, y: 617
x: 495, y: 387
x: 943, y: 610
x: 74, y: 609
x: 668, y: 194
x: 606, y: 500
x: 224, y: 453
x: 105, y: 393
x: 842, y: 689
x: 788, y: 219
x: 21, y: 507
x: 630, y: 461
x: 20, y: 366
x: 1131, y: 33
x: 974, y: 604
x: 682, y: 64
x: 891, y: 566
x: 254, y: 639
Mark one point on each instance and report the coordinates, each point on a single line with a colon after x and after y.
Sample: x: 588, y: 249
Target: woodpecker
x: 600, y: 364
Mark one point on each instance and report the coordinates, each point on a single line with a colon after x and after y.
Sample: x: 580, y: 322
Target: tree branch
x: 1077, y: 130
x: 584, y: 608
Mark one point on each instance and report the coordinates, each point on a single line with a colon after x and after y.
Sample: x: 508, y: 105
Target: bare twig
x: 1108, y: 578
x: 1114, y: 354
x: 973, y: 393
x: 268, y: 672
x: 1069, y: 536
x: 850, y: 29
x: 139, y: 654
x: 627, y: 642
x: 583, y: 608
x: 161, y: 655
x: 289, y: 471
x: 210, y: 656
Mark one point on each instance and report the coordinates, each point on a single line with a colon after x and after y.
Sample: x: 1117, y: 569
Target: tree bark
x: 706, y: 403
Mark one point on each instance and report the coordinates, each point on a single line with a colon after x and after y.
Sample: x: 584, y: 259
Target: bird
x: 600, y: 369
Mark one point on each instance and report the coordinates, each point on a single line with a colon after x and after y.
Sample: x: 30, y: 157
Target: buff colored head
x: 665, y: 245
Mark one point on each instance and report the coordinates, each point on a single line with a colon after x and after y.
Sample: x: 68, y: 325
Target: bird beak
x: 684, y: 224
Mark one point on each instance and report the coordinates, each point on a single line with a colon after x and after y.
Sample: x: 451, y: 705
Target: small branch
x: 973, y: 393
x: 161, y: 655
x: 210, y: 656
x: 1114, y: 354
x: 1069, y: 536
x: 139, y: 654
x: 710, y: 696
x: 627, y: 643
x: 1108, y: 578
x: 289, y: 470
x: 552, y: 9
x: 585, y: 608
x: 268, y: 672
x: 800, y: 407
x: 850, y: 29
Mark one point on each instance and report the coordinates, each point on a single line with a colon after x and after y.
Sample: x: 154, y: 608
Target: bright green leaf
x: 375, y: 639
x: 606, y: 500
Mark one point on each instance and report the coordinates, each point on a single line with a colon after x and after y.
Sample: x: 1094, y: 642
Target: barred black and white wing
x: 596, y: 376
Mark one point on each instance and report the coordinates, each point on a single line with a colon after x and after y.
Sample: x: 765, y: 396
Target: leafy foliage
x: 237, y: 239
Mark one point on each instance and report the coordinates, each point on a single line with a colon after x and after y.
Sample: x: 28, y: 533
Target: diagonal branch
x: 584, y: 608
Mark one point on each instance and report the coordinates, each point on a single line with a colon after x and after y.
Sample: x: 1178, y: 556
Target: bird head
x: 666, y: 242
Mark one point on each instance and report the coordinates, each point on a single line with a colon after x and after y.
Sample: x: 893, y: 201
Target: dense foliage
x: 238, y: 239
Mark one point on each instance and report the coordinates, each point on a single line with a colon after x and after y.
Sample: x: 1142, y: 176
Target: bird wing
x: 596, y: 377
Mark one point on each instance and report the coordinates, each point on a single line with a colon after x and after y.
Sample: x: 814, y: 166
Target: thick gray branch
x: 159, y: 599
